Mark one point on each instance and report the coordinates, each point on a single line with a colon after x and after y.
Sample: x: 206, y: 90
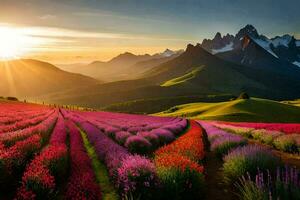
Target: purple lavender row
x: 132, y: 174
x: 248, y: 159
x: 221, y: 141
x: 140, y: 139
x: 134, y: 123
x: 284, y: 184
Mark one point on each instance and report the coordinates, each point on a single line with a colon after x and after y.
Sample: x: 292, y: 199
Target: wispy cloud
x: 67, y: 33
x: 100, y: 13
x: 53, y: 32
x: 47, y: 17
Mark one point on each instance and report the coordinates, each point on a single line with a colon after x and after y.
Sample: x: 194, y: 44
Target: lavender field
x: 56, y: 153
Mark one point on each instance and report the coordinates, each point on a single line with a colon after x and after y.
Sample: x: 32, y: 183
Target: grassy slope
x: 182, y: 79
x: 294, y: 102
x: 154, y: 105
x: 255, y: 110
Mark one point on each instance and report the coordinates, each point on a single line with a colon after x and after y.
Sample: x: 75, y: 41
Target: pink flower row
x: 82, y: 183
x: 42, y: 128
x: 25, y: 122
x: 41, y: 175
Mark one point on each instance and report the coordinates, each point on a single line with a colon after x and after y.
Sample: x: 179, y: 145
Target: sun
x: 11, y: 43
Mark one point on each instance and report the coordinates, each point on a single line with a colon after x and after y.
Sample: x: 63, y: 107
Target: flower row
x: 145, y: 136
x: 178, y: 165
x: 221, y: 142
x: 25, y: 122
x: 287, y: 128
x: 132, y: 174
x: 82, y: 183
x: 43, y: 128
x: 48, y: 167
x: 279, y: 140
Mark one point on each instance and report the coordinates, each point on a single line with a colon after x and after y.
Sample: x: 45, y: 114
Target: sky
x: 66, y: 31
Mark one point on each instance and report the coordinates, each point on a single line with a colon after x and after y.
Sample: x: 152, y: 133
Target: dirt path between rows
x: 215, y: 188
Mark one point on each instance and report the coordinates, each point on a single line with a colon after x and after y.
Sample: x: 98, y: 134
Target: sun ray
x: 10, y: 79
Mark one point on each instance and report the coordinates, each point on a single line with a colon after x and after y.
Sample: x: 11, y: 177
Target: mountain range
x: 284, y: 48
x: 122, y: 67
x: 219, y: 68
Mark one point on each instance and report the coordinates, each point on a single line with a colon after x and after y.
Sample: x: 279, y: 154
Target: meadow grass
x: 241, y: 110
x: 101, y: 173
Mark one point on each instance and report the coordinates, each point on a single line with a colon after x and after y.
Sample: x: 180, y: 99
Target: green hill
x: 182, y: 79
x: 154, y: 105
x: 254, y: 110
x: 293, y: 102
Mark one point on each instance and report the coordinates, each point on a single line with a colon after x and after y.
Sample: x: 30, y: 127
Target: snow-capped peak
x: 266, y: 45
x: 282, y: 40
x: 167, y: 53
x: 227, y: 47
x: 297, y: 63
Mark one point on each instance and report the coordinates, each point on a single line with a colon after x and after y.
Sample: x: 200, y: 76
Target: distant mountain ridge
x: 125, y: 66
x: 285, y: 48
x: 218, y: 75
x: 31, y: 78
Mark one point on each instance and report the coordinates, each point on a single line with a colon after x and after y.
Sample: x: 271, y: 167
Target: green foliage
x: 244, y: 95
x: 177, y: 184
x: 247, y: 160
x: 249, y: 191
x: 287, y: 143
x: 246, y: 132
x: 266, y: 136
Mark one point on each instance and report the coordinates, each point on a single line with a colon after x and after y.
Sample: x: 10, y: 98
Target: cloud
x: 53, y: 32
x: 48, y: 17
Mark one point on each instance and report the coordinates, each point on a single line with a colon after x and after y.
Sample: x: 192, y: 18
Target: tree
x: 244, y: 95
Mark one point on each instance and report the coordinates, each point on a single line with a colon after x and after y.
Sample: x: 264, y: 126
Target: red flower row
x: 39, y: 177
x: 16, y: 156
x: 14, y: 112
x: 183, y: 153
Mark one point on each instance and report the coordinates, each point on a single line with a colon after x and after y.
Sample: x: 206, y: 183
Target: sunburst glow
x: 13, y: 43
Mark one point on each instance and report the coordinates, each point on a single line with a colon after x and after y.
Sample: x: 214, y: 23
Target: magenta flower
x: 138, y: 144
x: 137, y: 175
